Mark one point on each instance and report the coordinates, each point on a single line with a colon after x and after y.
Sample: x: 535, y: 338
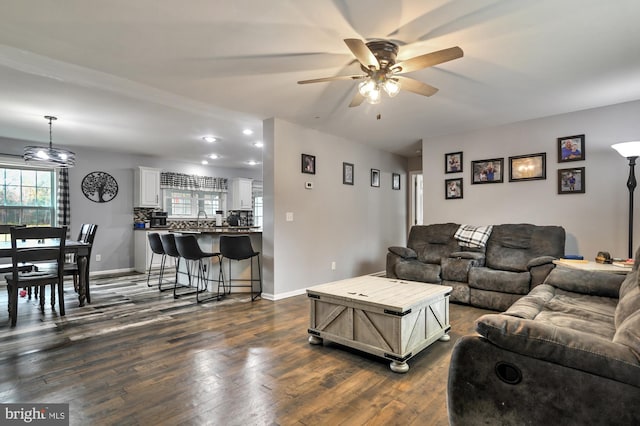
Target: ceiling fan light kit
x: 377, y: 60
x: 49, y: 156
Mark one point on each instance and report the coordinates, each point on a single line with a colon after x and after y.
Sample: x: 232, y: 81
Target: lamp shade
x: 628, y: 149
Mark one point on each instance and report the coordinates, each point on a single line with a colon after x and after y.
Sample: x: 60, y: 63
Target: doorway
x: 416, y: 199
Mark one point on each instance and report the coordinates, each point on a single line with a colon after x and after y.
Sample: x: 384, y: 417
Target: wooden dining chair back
x: 7, y: 267
x: 27, y: 246
x: 87, y: 235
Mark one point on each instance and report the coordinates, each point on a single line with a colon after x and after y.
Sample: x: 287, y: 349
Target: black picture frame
x: 375, y: 178
x: 453, y: 189
x: 571, y: 181
x: 453, y: 162
x: 528, y: 167
x: 309, y: 164
x: 395, y: 181
x: 487, y: 171
x: 571, y: 148
x: 347, y: 173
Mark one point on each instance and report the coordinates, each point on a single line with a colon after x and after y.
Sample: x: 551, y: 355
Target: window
x: 257, y: 211
x: 27, y: 196
x: 182, y: 204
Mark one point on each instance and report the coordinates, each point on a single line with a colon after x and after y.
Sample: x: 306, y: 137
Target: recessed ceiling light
x: 214, y: 156
x: 247, y: 132
x: 209, y: 139
x: 205, y: 162
x: 258, y: 144
x: 252, y: 163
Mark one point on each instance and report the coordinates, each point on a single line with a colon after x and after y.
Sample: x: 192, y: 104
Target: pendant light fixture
x: 49, y: 156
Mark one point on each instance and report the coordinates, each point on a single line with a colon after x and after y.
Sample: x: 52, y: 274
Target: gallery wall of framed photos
x: 521, y: 168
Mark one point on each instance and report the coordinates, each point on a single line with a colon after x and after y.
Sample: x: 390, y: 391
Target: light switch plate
x: 289, y: 216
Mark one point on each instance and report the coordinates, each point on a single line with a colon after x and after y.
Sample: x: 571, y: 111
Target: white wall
x: 351, y: 225
x: 594, y: 221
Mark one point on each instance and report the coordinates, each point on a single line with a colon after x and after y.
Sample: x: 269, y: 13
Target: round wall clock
x: 99, y: 187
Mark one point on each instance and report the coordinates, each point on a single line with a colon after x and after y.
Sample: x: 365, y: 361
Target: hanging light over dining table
x: 49, y: 156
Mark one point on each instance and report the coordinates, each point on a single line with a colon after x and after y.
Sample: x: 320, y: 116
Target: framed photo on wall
x: 571, y: 148
x: 395, y: 181
x: 571, y: 181
x: 375, y: 178
x: 309, y: 164
x: 487, y: 171
x: 347, y: 173
x: 453, y: 162
x: 453, y: 189
x: 528, y: 167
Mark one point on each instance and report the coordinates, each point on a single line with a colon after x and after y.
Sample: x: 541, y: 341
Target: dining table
x: 81, y: 250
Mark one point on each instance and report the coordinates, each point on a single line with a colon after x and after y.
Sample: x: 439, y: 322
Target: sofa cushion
x: 414, y: 270
x: 502, y: 281
x: 573, y: 311
x: 457, y: 268
x: 403, y: 252
x: 628, y: 333
x: 629, y: 303
x: 512, y: 246
x: 473, y: 236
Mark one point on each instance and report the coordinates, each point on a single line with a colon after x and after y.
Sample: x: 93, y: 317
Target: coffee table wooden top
x: 391, y: 293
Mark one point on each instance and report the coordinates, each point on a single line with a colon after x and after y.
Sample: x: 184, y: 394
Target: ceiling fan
x: 378, y: 61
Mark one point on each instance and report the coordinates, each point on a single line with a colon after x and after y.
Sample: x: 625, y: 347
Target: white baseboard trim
x: 111, y: 272
x: 272, y: 297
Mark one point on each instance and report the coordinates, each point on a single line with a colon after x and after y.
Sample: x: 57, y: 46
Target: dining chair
x: 26, y: 247
x: 7, y: 267
x: 87, y: 234
x: 238, y: 247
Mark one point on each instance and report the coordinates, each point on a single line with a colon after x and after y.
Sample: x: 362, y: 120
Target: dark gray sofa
x: 567, y: 353
x: 516, y: 258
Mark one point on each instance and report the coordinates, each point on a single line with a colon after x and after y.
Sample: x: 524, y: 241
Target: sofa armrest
x: 403, y: 252
x: 562, y: 346
x: 539, y: 261
x: 593, y: 283
x: 474, y: 255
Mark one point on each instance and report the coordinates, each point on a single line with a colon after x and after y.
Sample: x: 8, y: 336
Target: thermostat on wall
x: 308, y: 185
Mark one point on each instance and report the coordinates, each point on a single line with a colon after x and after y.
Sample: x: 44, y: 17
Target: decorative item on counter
x: 603, y: 257
x: 622, y: 263
x: 233, y: 220
x: 218, y: 217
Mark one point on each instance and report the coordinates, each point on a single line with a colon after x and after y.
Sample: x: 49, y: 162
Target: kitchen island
x: 209, y: 241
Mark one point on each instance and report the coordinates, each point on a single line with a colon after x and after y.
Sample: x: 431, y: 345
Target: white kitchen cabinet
x: 241, y: 194
x: 146, y: 190
x: 142, y: 251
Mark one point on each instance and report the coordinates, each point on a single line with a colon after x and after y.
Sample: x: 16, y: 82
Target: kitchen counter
x: 219, y: 230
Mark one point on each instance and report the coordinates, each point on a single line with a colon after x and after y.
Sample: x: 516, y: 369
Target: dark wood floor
x: 138, y: 357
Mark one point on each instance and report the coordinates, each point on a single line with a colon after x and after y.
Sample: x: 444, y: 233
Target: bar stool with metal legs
x: 171, y: 250
x: 156, y: 248
x: 238, y: 247
x: 190, y: 250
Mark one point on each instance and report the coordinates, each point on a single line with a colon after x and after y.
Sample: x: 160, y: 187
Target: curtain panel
x: 181, y: 181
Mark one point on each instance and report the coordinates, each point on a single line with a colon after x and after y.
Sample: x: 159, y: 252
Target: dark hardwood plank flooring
x: 136, y: 356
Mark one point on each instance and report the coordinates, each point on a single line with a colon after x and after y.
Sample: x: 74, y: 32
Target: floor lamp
x: 630, y: 150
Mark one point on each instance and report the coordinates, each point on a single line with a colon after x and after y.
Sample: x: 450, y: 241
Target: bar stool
x: 190, y: 250
x: 171, y: 250
x: 238, y: 247
x: 156, y: 248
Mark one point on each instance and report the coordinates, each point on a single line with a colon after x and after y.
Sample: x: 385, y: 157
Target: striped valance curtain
x: 181, y: 181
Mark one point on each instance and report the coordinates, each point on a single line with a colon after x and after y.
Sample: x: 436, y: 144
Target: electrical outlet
x: 289, y: 216
x: 333, y: 266
x: 98, y: 257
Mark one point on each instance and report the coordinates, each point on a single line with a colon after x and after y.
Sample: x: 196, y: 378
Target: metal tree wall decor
x: 99, y: 187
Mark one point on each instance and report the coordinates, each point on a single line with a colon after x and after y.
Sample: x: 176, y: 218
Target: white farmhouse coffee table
x: 391, y: 318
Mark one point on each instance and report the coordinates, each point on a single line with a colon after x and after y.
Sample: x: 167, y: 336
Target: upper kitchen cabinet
x: 241, y: 194
x: 146, y: 191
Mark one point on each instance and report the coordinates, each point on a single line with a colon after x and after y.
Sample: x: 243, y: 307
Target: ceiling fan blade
x: 338, y: 77
x: 427, y: 60
x: 416, y: 86
x: 357, y: 100
x: 362, y: 53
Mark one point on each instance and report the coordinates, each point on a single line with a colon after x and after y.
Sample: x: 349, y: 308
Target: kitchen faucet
x: 198, y: 218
